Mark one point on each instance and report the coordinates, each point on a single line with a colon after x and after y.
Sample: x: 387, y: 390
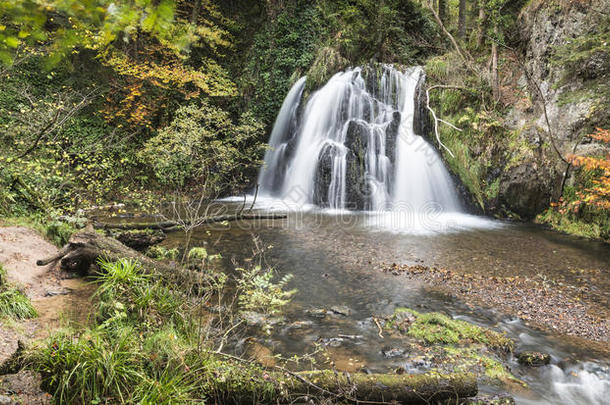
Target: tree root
x: 85, y: 248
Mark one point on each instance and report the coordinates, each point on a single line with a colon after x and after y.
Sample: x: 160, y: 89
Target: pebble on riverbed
x: 491, y: 400
x: 316, y: 313
x: 341, y: 310
x: 392, y: 352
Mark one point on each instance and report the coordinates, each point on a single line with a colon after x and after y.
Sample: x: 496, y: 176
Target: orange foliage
x: 597, y: 195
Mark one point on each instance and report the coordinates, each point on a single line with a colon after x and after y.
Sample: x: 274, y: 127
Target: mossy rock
x: 476, y: 358
x: 533, y: 359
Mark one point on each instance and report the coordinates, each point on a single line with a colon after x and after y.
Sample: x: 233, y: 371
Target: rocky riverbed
x: 552, y: 306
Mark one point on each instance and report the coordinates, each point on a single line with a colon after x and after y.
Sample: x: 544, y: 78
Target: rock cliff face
x: 561, y: 105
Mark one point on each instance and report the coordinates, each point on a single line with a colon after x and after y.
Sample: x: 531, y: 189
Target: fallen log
x: 84, y: 249
x: 174, y: 226
x: 136, y: 226
x: 429, y: 388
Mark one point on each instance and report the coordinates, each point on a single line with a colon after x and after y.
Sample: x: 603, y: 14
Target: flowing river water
x: 335, y: 259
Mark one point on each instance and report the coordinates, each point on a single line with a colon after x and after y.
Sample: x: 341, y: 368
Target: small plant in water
x: 260, y: 293
x: 198, y: 256
x: 162, y: 253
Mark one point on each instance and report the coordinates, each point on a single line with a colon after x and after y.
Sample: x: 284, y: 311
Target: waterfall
x: 354, y: 146
x: 283, y: 130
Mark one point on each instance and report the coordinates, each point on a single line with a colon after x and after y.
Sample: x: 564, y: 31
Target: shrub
x: 198, y: 254
x: 59, y: 232
x: 203, y: 145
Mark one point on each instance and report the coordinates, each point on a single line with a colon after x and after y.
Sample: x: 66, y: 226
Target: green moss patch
x: 488, y: 367
x: 436, y: 328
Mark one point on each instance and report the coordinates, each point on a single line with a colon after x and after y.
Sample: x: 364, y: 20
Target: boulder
x: 324, y: 172
x: 356, y: 141
x: 527, y: 189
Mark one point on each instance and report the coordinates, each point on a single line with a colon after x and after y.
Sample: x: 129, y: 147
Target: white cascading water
x: 355, y: 147
x: 422, y: 179
x: 584, y: 383
x: 282, y: 133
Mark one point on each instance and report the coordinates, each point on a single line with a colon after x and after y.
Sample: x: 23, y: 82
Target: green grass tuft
x: 16, y: 305
x: 595, y: 227
x: 13, y: 303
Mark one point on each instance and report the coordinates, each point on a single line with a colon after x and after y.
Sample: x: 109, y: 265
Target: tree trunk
x: 495, y: 85
x: 481, y: 24
x: 442, y: 10
x: 462, y: 20
x: 195, y: 12
x: 379, y: 388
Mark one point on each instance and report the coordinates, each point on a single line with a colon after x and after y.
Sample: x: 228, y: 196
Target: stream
x: 335, y: 259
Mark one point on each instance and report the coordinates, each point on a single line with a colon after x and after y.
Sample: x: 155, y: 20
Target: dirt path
x: 58, y: 300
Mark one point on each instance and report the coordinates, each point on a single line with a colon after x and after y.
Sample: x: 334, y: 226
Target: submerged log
x: 168, y: 226
x: 139, y: 240
x: 85, y: 248
x: 429, y: 388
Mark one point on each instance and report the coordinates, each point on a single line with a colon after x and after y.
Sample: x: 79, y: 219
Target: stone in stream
x: 366, y: 323
x: 392, y: 352
x: 300, y: 325
x: 262, y: 354
x: 332, y: 342
x: 297, y: 327
x: 258, y: 319
x: 55, y: 292
x: 501, y: 399
x: 340, y: 310
x: 402, y: 320
x: 533, y: 359
x: 316, y: 313
x: 417, y: 363
x: 6, y: 400
x: 139, y: 239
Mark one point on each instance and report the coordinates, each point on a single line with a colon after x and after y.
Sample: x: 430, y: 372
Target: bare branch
x: 254, y: 199
x: 57, y: 120
x: 435, y: 117
x: 464, y: 55
x: 450, y: 124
